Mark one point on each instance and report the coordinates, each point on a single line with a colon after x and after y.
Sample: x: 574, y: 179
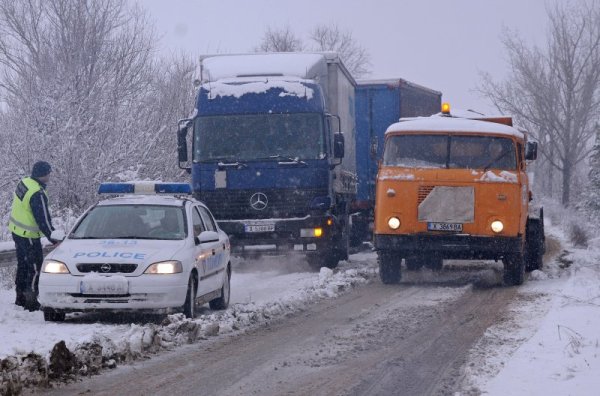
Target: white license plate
x: 115, y: 285
x: 454, y: 227
x: 260, y: 228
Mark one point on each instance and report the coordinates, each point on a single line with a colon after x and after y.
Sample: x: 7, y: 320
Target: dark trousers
x: 29, y: 264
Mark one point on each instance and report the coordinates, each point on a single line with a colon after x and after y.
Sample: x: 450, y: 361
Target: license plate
x: 260, y: 228
x: 454, y: 227
x: 114, y: 285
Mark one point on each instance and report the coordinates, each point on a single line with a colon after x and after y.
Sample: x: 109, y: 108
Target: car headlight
x: 394, y: 223
x: 55, y: 267
x: 497, y: 226
x: 165, y: 267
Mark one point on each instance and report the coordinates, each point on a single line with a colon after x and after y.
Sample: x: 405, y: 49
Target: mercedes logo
x: 258, y: 201
x: 105, y: 268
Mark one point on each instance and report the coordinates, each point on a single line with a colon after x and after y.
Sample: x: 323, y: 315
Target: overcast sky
x: 443, y: 45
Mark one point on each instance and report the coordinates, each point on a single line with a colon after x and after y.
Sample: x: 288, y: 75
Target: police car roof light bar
x: 145, y: 188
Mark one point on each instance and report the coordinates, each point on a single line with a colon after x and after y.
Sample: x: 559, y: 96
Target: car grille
x: 106, y: 268
x: 282, y: 203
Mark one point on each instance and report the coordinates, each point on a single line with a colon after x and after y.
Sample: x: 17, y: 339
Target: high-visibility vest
x: 22, y: 222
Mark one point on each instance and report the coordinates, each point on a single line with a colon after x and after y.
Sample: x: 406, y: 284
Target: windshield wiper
x: 287, y: 160
x: 132, y: 237
x: 489, y: 164
x: 230, y: 163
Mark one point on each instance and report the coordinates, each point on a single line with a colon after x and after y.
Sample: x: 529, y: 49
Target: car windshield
x: 450, y: 151
x: 132, y: 222
x: 259, y: 136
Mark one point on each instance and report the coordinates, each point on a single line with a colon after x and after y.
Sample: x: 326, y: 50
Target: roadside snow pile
x: 92, y: 347
x: 548, y: 342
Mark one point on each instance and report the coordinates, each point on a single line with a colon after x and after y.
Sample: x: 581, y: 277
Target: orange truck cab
x: 456, y: 188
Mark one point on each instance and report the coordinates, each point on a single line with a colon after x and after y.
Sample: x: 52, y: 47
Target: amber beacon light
x: 445, y: 108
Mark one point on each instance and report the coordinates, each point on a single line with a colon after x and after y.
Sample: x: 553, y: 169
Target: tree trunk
x: 566, y: 183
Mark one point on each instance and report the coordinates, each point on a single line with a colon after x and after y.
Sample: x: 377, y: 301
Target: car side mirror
x: 208, y: 236
x: 338, y: 145
x: 58, y: 235
x: 531, y: 151
x: 182, y: 131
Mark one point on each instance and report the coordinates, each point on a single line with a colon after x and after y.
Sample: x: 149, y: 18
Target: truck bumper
x: 464, y: 247
x: 285, y: 237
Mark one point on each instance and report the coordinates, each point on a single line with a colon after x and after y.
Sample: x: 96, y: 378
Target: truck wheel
x: 189, y: 307
x: 389, y: 267
x: 51, y: 315
x: 514, y: 269
x: 434, y: 263
x: 535, y: 245
x: 413, y: 263
x: 328, y: 259
x: 222, y: 302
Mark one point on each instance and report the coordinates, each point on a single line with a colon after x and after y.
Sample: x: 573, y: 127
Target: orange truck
x: 456, y: 188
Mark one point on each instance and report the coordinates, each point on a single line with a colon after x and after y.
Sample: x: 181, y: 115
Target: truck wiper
x: 230, y: 163
x: 285, y: 160
x: 489, y: 164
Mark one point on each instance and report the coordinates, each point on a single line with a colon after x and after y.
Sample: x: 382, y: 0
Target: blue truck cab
x: 268, y: 154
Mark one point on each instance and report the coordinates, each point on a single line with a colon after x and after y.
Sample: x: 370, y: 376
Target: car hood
x: 134, y: 251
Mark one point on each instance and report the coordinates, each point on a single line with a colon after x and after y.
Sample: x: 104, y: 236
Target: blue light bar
x: 145, y: 188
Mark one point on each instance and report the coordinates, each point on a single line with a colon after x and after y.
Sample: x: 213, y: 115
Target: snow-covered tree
x: 591, y: 201
x: 555, y: 91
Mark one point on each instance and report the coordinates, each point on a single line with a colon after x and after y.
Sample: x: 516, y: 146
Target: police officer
x: 29, y: 220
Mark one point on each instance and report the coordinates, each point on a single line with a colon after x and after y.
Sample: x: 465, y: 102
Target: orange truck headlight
x: 394, y: 223
x: 497, y: 226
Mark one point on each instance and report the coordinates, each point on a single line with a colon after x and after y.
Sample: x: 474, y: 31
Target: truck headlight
x: 394, y: 223
x: 497, y: 226
x: 165, y: 267
x: 316, y: 232
x: 55, y: 267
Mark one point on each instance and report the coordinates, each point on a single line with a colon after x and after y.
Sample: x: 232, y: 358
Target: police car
x: 144, y: 251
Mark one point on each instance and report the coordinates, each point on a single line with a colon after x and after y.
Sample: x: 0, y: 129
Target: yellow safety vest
x: 22, y: 222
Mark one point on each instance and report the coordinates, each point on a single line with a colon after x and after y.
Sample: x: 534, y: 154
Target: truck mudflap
x: 465, y: 247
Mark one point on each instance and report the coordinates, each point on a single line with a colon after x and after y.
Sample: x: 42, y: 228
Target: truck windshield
x: 450, y: 151
x: 132, y: 222
x: 259, y: 136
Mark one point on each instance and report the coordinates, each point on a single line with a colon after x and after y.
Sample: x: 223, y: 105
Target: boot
x: 21, y: 299
x: 31, y: 302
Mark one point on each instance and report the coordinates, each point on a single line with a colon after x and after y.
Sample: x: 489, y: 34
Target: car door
x: 207, y: 261
x: 211, y: 225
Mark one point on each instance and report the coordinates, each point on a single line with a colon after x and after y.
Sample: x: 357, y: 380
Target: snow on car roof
x: 449, y: 124
x: 168, y: 200
x: 302, y: 65
x: 241, y: 86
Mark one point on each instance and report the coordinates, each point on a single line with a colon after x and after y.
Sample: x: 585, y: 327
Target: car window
x: 208, y: 219
x: 197, y: 222
x: 132, y: 222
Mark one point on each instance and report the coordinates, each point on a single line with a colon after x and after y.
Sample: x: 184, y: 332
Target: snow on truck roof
x: 300, y: 65
x: 240, y: 86
x: 444, y: 124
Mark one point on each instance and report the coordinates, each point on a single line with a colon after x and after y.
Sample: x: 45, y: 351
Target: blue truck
x: 273, y: 152
x: 380, y: 103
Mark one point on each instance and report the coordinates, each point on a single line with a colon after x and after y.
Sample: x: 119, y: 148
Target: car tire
x: 189, y: 307
x: 514, y: 269
x: 389, y: 267
x: 222, y: 302
x: 52, y: 315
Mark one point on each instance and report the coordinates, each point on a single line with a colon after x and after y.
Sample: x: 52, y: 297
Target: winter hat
x: 41, y: 169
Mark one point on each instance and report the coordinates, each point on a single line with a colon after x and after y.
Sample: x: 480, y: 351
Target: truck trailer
x: 273, y: 151
x: 380, y: 103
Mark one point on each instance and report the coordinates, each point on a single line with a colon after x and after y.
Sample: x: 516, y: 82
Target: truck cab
x: 456, y: 188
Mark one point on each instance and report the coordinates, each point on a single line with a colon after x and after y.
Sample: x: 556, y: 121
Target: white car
x: 142, y: 252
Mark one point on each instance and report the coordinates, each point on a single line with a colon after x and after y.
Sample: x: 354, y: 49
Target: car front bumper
x: 158, y: 293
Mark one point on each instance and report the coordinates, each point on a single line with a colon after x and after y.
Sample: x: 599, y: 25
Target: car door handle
x: 213, y: 252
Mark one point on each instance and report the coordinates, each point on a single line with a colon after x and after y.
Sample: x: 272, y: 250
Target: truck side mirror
x: 531, y: 151
x: 182, y: 149
x: 338, y: 145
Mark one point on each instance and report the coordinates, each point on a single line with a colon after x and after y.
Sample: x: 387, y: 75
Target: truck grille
x: 423, y: 193
x: 106, y: 268
x: 235, y: 204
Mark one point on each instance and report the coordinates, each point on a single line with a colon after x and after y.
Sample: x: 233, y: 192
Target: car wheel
x: 514, y: 269
x: 389, y: 267
x: 51, y: 315
x: 189, y: 307
x: 222, y: 302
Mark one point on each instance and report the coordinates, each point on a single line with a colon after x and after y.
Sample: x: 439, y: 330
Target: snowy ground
x: 548, y: 344
x: 261, y: 290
